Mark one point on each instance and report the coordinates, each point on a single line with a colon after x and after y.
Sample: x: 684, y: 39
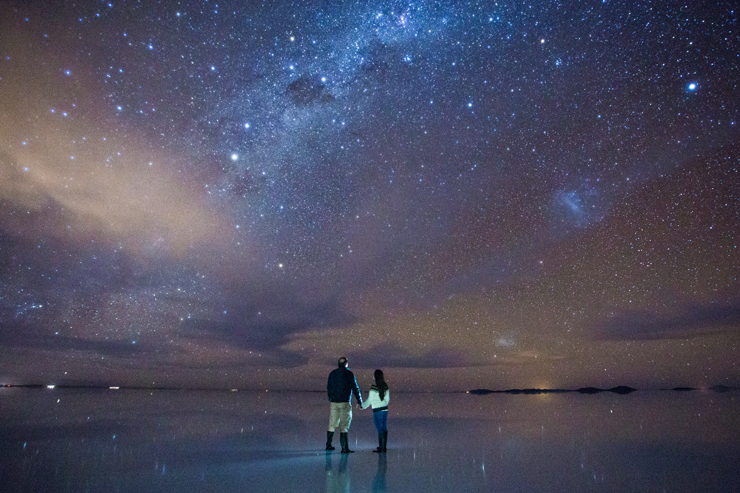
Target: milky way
x: 466, y: 194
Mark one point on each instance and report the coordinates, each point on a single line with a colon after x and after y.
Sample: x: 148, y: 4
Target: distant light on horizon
x: 50, y: 386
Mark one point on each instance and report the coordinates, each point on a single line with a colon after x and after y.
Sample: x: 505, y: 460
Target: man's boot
x: 344, y: 443
x: 380, y: 443
x: 329, y: 436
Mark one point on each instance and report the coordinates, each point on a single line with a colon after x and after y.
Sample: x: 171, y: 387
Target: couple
x: 341, y: 385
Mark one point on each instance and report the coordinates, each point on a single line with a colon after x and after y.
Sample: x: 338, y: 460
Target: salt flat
x: 170, y: 440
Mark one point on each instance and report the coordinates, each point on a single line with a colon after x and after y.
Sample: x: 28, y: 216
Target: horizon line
x: 478, y: 391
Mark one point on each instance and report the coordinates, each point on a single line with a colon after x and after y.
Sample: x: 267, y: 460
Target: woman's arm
x: 372, y: 396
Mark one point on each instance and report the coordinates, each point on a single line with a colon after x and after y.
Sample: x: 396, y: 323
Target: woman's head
x: 378, y: 375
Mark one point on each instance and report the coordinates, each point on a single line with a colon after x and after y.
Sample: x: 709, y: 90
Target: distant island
x: 621, y: 389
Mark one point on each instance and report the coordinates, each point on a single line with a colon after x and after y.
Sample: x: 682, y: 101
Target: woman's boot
x: 380, y: 443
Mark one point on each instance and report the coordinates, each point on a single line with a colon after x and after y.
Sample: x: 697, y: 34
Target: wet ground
x: 140, y: 441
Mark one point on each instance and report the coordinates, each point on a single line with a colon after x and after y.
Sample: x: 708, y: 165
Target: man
x: 341, y: 385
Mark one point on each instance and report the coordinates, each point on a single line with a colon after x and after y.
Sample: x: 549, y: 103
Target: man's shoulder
x: 344, y: 373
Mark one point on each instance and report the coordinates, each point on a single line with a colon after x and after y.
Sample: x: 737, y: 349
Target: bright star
x: 234, y: 157
x: 692, y: 86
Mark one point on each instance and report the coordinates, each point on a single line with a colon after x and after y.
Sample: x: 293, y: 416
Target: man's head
x: 343, y: 362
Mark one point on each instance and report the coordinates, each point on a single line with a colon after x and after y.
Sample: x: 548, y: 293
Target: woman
x: 378, y: 397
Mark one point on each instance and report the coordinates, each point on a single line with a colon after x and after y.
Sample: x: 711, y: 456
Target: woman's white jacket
x: 373, y: 399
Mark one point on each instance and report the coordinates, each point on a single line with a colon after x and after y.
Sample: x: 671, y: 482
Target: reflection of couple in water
x: 337, y: 480
x: 340, y: 387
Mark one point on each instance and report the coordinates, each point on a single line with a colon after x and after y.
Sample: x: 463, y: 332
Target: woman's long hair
x: 380, y: 383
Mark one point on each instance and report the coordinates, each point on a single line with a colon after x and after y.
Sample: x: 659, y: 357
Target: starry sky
x: 466, y: 194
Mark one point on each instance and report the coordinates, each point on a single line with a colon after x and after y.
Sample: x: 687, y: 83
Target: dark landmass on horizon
x: 621, y: 389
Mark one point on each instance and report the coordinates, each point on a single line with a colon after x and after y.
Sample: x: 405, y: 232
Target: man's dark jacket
x: 341, y: 384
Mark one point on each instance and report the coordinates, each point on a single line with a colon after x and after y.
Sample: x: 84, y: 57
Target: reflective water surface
x: 134, y: 440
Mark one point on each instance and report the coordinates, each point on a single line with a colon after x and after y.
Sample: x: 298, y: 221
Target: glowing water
x: 99, y: 440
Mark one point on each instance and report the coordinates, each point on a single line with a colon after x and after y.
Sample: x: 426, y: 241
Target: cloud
x: 20, y: 334
x: 131, y: 203
x: 390, y: 355
x: 81, y: 174
x: 264, y: 319
x: 694, y: 321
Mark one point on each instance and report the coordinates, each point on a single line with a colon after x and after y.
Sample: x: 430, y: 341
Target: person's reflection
x: 337, y: 481
x: 379, y: 481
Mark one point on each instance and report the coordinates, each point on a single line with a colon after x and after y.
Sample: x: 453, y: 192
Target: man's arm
x: 356, y: 389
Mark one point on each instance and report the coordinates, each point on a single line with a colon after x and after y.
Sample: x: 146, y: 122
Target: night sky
x: 465, y: 194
